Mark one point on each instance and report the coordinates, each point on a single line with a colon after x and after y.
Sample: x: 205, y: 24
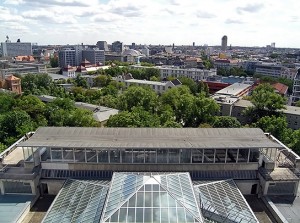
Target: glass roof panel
x: 222, y: 200
x: 152, y: 206
x: 123, y: 186
x: 179, y: 185
x: 78, y: 201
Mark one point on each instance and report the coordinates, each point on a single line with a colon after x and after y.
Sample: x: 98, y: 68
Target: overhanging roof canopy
x: 83, y: 137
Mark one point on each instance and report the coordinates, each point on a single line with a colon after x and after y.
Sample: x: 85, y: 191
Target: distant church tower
x: 224, y: 43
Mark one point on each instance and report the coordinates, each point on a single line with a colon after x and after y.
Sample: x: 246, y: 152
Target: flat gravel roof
x: 83, y: 137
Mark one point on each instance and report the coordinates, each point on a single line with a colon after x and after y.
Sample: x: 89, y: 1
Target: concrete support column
x: 2, y: 188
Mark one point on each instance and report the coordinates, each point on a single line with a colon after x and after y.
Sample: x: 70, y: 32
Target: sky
x: 182, y: 22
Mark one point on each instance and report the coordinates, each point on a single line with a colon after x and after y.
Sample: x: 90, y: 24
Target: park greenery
x: 186, y: 106
x: 22, y: 114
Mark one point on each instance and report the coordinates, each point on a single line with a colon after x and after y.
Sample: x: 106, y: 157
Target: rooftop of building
x: 136, y: 81
x: 288, y: 206
x: 11, y: 77
x: 225, y: 99
x: 280, y: 88
x: 84, y: 137
x: 100, y: 113
x: 293, y: 110
x: 234, y: 89
x: 13, y: 206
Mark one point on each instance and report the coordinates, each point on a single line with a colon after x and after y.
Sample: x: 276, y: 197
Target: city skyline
x: 247, y: 23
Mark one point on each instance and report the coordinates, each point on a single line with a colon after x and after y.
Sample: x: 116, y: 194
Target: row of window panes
x: 151, y: 215
x: 152, y: 155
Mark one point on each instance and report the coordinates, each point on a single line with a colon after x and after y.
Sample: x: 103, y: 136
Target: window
x: 173, y: 155
x: 138, y: 155
x: 126, y: 156
x: 91, y: 156
x: 185, y: 156
x: 68, y: 154
x: 162, y: 155
x: 79, y: 155
x: 102, y: 156
x: 209, y: 155
x: 56, y: 154
x: 150, y: 156
x: 231, y: 155
x: 197, y: 155
x: 220, y: 155
x: 115, y: 156
x: 243, y: 155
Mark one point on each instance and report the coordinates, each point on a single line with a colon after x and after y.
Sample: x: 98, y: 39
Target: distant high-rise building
x: 224, y: 43
x: 193, y: 44
x: 102, y: 45
x: 117, y: 47
x: 10, y: 49
x: 70, y: 56
x: 273, y: 45
x: 133, y: 46
x: 78, y: 54
x: 66, y: 57
x: 94, y: 56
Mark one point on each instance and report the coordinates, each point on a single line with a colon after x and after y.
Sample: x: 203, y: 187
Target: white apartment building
x: 174, y: 71
x: 275, y: 70
x: 158, y: 87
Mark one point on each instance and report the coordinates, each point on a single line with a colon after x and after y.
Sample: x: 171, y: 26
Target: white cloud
x: 152, y: 21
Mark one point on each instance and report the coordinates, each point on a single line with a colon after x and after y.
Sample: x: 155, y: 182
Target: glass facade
x: 136, y: 156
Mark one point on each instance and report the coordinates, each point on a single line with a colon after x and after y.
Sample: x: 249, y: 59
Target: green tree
x: 203, y: 88
x: 180, y: 100
x: 81, y: 118
x: 226, y: 122
x: 108, y: 101
x: 190, y: 83
x: 2, y: 147
x: 102, y: 80
x: 189, y: 110
x: 277, y: 126
x: 138, y: 117
x: 7, y: 102
x: 15, y: 124
x: 153, y: 78
x: 57, y: 112
x: 298, y: 104
x: 110, y: 90
x: 205, y: 125
x: 136, y: 96
x: 264, y: 98
x: 295, y: 141
x: 31, y: 104
x: 54, y: 61
x: 208, y: 64
x: 81, y: 82
x: 151, y: 72
x: 203, y: 110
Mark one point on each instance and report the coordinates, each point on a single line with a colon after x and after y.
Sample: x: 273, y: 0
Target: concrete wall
x: 54, y: 186
x: 245, y: 186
